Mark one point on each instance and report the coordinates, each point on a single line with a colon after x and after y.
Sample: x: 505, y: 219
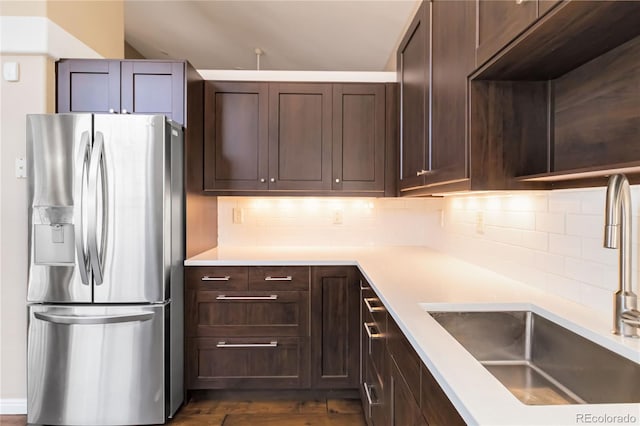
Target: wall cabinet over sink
x: 535, y: 94
x: 299, y: 138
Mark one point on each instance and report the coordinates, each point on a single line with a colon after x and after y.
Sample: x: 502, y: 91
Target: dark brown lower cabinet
x: 436, y: 407
x: 405, y: 410
x: 248, y: 363
x: 334, y: 327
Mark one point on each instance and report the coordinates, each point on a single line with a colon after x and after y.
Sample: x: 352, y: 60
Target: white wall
x: 29, y: 95
x: 34, y: 43
x: 276, y: 221
x: 550, y: 240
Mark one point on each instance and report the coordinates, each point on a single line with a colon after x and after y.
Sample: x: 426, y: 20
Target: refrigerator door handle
x: 93, y: 319
x: 78, y: 196
x: 97, y: 159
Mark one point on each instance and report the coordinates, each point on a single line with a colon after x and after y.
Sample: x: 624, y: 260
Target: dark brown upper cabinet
x: 434, y: 98
x: 299, y: 136
x: 413, y: 77
x: 559, y: 105
x: 358, y: 137
x: 126, y: 87
x: 236, y: 136
x: 499, y: 22
x: 452, y: 60
x: 335, y: 331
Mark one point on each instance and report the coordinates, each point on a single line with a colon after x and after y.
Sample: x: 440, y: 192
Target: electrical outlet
x: 238, y: 215
x: 480, y: 223
x: 337, y: 217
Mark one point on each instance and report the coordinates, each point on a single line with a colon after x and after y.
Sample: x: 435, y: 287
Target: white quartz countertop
x: 410, y: 280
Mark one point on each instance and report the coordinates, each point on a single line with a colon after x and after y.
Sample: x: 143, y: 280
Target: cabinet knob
x: 262, y: 180
x: 337, y: 180
x: 112, y: 111
x: 124, y: 111
x: 272, y: 180
x: 422, y: 172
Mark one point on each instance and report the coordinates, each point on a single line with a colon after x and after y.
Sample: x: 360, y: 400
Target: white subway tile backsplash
x: 564, y: 201
x: 548, y: 262
x: 567, y: 245
x: 535, y: 240
x: 550, y: 222
x: 584, y: 225
x: 593, y: 250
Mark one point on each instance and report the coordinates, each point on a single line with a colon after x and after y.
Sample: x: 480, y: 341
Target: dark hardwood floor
x: 225, y: 412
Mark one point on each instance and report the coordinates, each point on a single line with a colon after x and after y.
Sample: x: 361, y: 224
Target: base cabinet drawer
x: 249, y: 313
x: 248, y: 362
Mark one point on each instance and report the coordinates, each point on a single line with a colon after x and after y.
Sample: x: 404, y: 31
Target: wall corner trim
x: 13, y: 406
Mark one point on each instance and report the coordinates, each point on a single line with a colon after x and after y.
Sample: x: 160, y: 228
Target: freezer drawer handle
x: 223, y: 344
x: 223, y: 297
x: 270, y: 278
x: 93, y: 319
x: 208, y: 278
x: 372, y: 309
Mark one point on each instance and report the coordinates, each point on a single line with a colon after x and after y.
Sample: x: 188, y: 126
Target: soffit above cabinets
x: 319, y: 35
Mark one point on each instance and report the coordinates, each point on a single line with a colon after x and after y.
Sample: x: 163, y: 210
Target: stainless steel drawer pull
x: 367, y: 392
x: 208, y: 278
x: 368, y: 326
x: 372, y: 309
x: 270, y: 278
x: 223, y: 297
x: 223, y: 344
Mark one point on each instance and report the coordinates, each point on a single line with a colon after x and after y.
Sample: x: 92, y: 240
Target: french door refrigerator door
x: 96, y: 365
x: 58, y: 149
x: 128, y: 184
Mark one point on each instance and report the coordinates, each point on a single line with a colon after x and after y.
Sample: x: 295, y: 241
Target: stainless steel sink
x: 542, y: 363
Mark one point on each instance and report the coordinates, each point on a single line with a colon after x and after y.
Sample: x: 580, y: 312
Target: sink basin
x: 541, y: 362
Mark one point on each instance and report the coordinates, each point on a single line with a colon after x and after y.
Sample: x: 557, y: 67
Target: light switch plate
x: 11, y: 71
x: 21, y: 168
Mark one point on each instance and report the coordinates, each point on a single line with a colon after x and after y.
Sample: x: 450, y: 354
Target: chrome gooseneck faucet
x: 617, y: 232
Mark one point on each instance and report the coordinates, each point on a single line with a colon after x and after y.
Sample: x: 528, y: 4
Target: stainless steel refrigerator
x: 106, y: 249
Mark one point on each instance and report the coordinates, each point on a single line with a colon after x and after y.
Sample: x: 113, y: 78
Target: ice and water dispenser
x: 54, y: 236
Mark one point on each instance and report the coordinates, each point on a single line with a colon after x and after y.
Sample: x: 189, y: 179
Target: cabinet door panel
x: 452, y: 61
x: 413, y: 63
x: 85, y: 85
x: 436, y: 407
x: 235, y: 148
x: 405, y: 356
x: 358, y: 137
x: 153, y: 88
x: 499, y: 22
x: 404, y: 408
x: 299, y: 136
x: 334, y: 327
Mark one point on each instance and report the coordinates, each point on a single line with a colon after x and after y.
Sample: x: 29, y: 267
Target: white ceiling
x: 319, y: 35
